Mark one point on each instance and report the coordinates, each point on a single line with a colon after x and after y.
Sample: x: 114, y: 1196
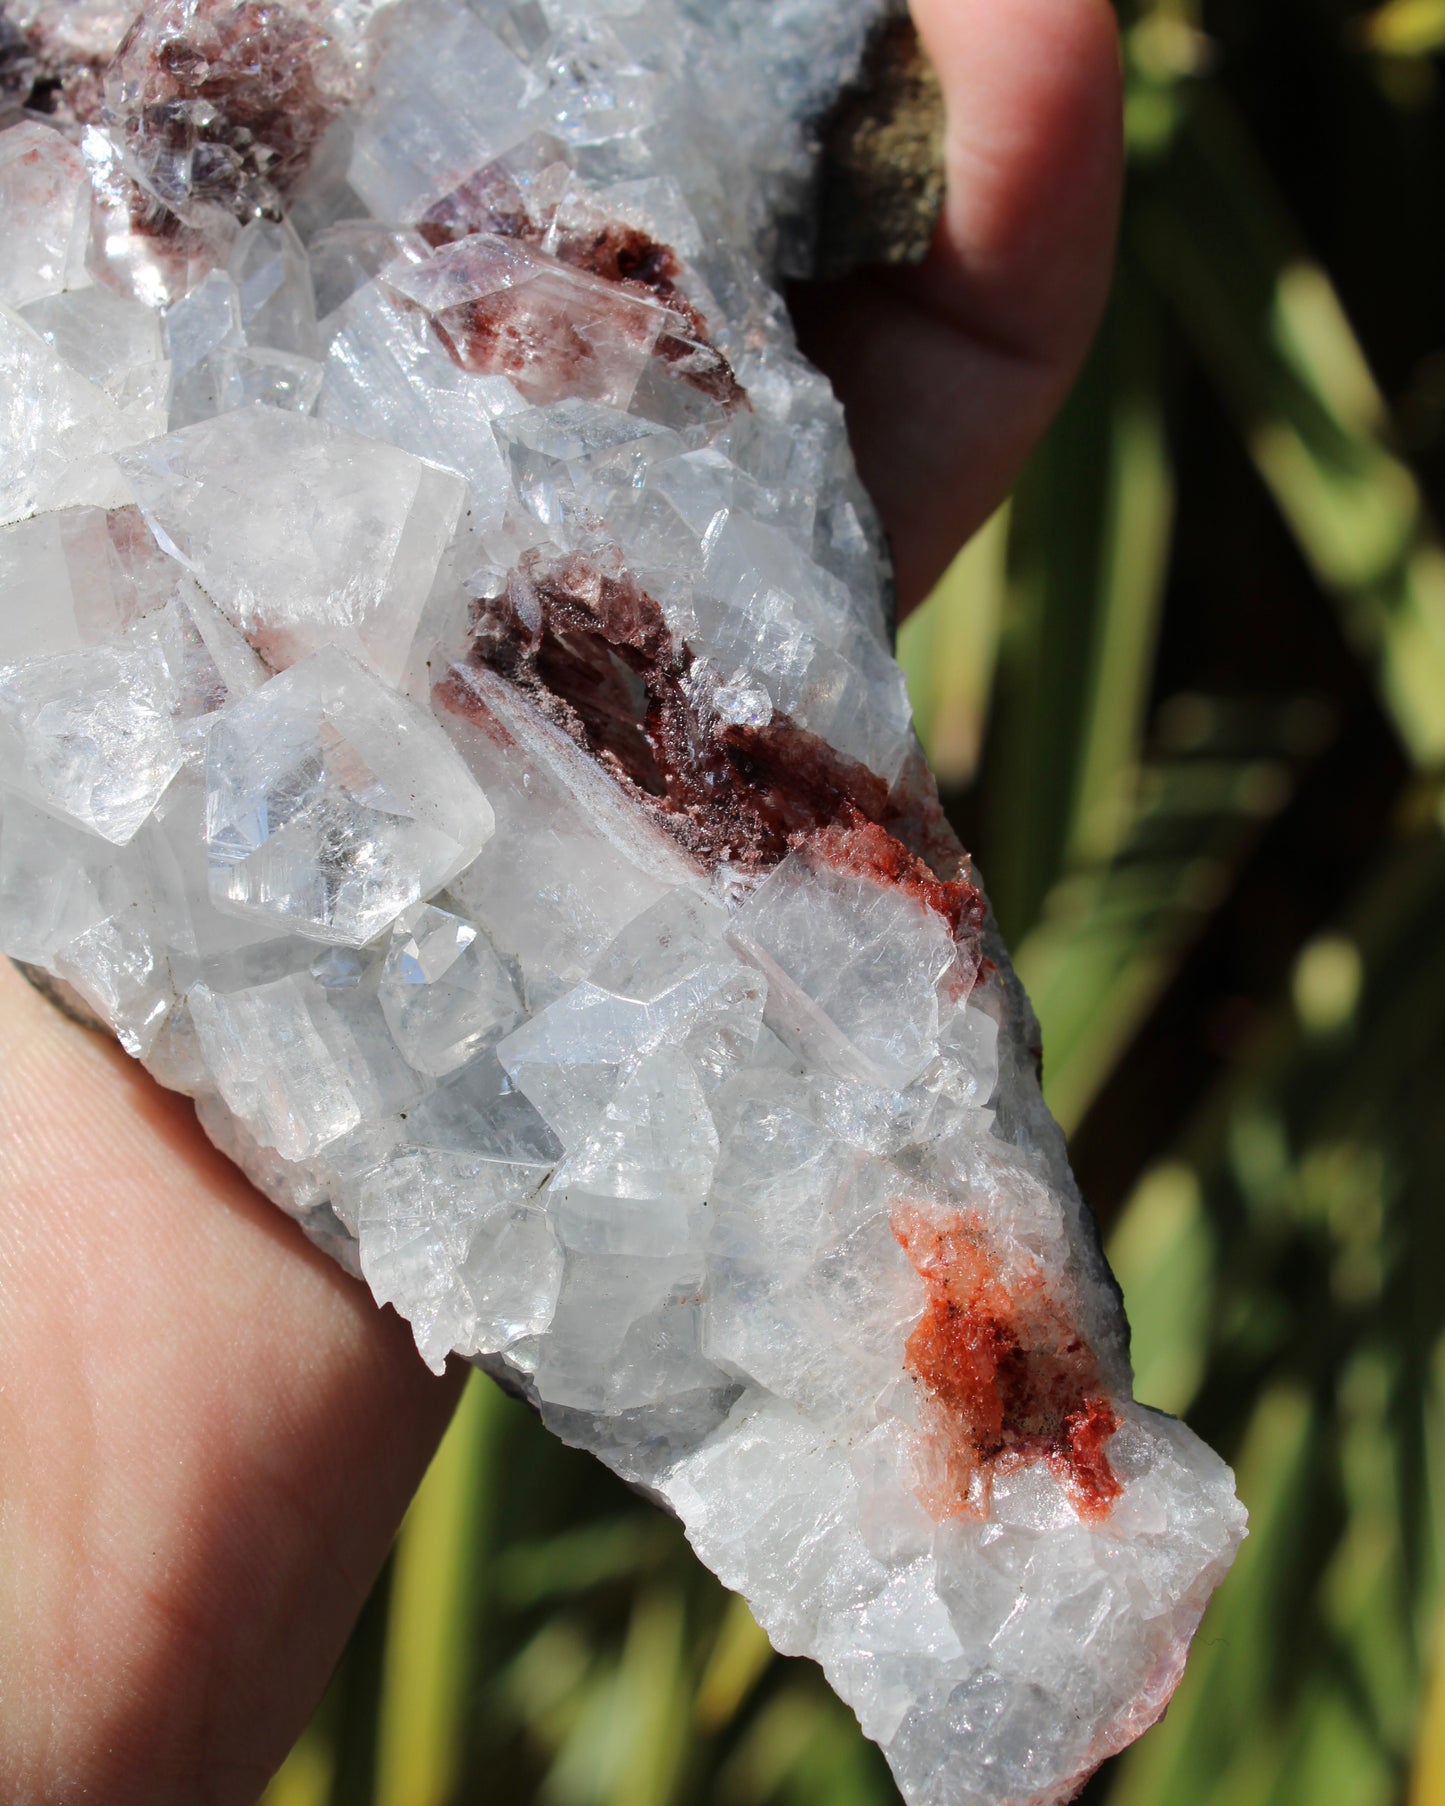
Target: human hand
x: 951, y: 372
x: 207, y: 1432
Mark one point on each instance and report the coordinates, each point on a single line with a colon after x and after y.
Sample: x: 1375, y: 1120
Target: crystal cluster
x: 447, y: 728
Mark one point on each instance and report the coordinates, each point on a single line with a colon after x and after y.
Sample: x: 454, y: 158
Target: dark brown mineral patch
x: 881, y: 173
x: 594, y: 653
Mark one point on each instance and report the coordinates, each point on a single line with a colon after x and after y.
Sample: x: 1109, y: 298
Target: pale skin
x: 208, y: 1434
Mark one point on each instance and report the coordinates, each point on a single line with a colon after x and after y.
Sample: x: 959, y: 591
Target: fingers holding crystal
x: 448, y: 729
x: 950, y: 372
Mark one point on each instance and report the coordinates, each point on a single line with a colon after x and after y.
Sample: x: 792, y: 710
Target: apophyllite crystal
x: 447, y: 727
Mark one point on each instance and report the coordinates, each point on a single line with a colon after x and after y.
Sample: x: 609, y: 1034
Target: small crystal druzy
x: 449, y: 730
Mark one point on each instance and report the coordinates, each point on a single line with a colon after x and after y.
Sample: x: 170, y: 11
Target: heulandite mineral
x: 448, y: 729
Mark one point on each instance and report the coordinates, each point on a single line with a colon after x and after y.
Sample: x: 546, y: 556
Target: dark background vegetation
x: 1187, y: 698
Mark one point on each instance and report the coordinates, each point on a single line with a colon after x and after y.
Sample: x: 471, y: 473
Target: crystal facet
x: 444, y: 991
x: 333, y: 804
x: 306, y: 535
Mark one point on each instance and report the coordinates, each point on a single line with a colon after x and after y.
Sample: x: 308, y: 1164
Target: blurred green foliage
x: 1187, y: 700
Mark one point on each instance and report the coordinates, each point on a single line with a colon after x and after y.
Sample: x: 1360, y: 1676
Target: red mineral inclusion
x: 237, y: 93
x: 869, y: 851
x: 593, y: 652
x: 1009, y: 1380
x: 610, y: 250
x: 528, y: 337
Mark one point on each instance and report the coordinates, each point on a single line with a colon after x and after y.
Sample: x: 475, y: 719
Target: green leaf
x: 1406, y: 27
x: 1266, y: 322
x: 948, y: 648
x: 437, y: 1591
x: 305, y: 1778
x: 1163, y: 1253
x: 740, y: 1656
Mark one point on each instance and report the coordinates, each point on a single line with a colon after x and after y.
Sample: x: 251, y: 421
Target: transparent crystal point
x: 479, y: 1277
x: 333, y: 804
x: 61, y: 584
x: 444, y: 991
x: 58, y: 428
x: 447, y: 98
x: 304, y: 534
x: 92, y: 735
x: 853, y: 969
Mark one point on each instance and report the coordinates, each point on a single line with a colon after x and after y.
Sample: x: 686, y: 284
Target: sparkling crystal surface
x: 333, y: 804
x: 448, y: 728
x: 444, y: 991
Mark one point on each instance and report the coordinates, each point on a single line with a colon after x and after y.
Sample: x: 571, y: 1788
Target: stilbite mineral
x: 449, y: 730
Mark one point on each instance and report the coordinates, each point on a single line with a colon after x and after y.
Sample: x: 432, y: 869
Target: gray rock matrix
x: 448, y: 729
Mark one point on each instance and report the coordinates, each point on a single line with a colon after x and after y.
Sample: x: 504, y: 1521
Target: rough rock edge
x: 881, y: 177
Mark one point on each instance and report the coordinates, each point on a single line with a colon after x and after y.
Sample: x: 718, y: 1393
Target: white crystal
x: 91, y: 735
x: 61, y: 584
x: 478, y: 1279
x: 298, y: 1062
x: 305, y: 535
x: 769, y: 608
x: 385, y: 375
x: 45, y: 203
x: 626, y: 1339
x: 743, y: 703
x: 201, y: 328
x: 295, y: 1066
x: 70, y: 905
x: 448, y: 96
x: 276, y: 300
x: 272, y: 1066
x: 444, y: 991
x: 58, y: 429
x: 810, y: 1293
x: 638, y: 1182
x: 574, y: 1053
x: 114, y: 343
x: 853, y: 969
x: 569, y: 866
x: 333, y: 804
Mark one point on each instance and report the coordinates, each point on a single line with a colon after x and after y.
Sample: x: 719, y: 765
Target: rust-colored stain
x: 869, y: 851
x: 1009, y: 1379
